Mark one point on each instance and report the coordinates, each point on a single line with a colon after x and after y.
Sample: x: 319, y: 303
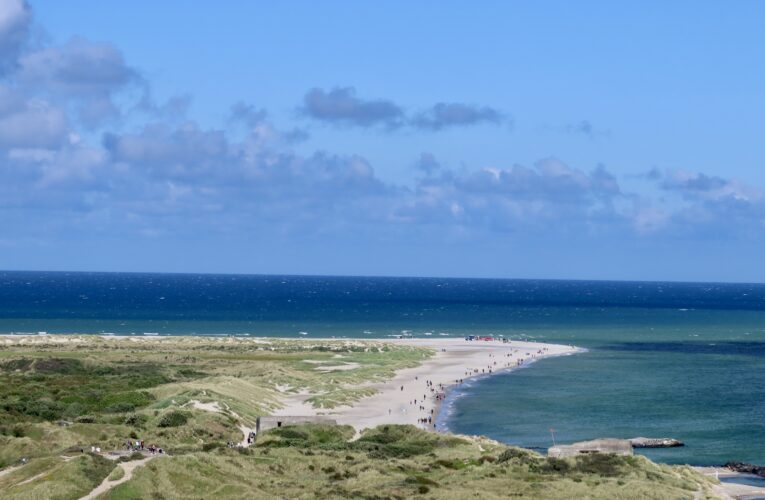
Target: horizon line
x: 381, y: 276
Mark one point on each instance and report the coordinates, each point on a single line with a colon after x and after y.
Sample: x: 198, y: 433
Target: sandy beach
x: 415, y: 393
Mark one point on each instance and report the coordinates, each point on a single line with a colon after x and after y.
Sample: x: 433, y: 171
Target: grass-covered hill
x: 58, y: 398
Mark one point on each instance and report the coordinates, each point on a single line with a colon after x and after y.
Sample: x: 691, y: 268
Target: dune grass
x: 61, y: 395
x: 319, y: 461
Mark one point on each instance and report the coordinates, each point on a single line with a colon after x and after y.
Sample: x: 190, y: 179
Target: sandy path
x: 215, y: 407
x: 107, y: 485
x: 455, y: 359
x: 8, y: 470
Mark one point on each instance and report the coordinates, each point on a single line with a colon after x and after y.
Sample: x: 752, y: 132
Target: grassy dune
x: 61, y: 395
x: 61, y: 392
x: 401, y: 462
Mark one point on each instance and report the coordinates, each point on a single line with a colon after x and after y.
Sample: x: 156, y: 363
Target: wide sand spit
x: 455, y: 360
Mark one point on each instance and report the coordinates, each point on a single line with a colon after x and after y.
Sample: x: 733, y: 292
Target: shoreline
x: 419, y: 392
x: 453, y: 359
x: 454, y: 392
x: 409, y: 395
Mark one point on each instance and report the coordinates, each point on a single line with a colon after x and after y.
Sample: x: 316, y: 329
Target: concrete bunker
x: 608, y: 445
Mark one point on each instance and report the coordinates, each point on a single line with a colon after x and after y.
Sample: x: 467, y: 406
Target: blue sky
x: 510, y: 139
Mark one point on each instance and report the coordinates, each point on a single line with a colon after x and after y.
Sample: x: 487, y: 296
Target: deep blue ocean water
x: 664, y: 359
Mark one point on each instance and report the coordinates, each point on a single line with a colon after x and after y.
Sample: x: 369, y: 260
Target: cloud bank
x: 342, y: 107
x: 70, y: 162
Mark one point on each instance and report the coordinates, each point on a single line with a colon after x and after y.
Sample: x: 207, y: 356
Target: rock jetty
x: 757, y: 470
x: 642, y: 442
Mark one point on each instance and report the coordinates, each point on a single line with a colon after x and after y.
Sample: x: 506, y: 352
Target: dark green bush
x: 135, y: 420
x: 95, y: 468
x: 402, y: 441
x: 514, y: 453
x: 317, y: 436
x: 61, y: 366
x: 603, y: 464
x: 173, y: 419
x: 120, y: 408
x: 133, y: 456
x: 551, y: 466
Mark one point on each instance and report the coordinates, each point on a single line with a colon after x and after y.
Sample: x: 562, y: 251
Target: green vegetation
x: 61, y: 396
x: 57, y: 478
x: 117, y: 473
x: 319, y: 461
x: 173, y: 419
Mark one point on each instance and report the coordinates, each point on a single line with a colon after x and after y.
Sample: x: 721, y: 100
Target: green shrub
x: 23, y: 364
x: 603, y: 464
x: 321, y: 436
x: 402, y: 441
x: 117, y: 473
x: 95, y: 468
x: 551, y: 465
x: 515, y: 454
x: 173, y: 419
x: 122, y: 407
x: 74, y: 410
x: 60, y: 366
x: 135, y: 420
x: 136, y: 455
x: 211, y: 446
x: 123, y: 402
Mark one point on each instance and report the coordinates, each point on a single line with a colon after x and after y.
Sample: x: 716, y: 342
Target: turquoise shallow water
x: 683, y: 360
x: 698, y: 378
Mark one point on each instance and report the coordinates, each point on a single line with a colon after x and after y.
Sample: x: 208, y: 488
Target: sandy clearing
x: 338, y: 368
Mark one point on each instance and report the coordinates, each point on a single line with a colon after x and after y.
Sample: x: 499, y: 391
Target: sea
x: 679, y: 360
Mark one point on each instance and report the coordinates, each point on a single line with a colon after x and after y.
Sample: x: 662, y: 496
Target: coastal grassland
x: 61, y: 392
x: 390, y: 462
x: 62, y: 395
x: 57, y: 478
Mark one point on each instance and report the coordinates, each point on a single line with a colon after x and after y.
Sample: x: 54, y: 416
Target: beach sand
x: 454, y: 360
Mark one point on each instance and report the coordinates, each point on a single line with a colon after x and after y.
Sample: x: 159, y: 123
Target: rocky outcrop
x: 641, y: 442
x: 757, y: 470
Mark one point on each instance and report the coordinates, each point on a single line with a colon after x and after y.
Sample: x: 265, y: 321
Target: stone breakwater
x: 757, y: 470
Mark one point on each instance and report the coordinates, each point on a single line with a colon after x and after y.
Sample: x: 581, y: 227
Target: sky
x: 550, y: 139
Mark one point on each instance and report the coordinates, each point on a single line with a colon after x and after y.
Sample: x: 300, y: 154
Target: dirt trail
x: 215, y: 407
x: 33, y: 478
x: 107, y: 485
x: 8, y: 470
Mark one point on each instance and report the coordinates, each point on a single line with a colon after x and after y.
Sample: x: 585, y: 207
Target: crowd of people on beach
x: 506, y: 360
